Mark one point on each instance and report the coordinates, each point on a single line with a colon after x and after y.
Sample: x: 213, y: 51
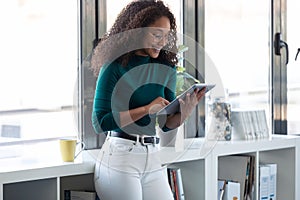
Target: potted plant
x: 184, y: 79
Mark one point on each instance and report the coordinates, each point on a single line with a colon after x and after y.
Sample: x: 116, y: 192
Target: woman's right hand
x: 156, y: 105
x: 190, y: 102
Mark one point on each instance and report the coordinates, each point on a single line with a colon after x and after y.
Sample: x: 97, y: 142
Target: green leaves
x: 184, y: 79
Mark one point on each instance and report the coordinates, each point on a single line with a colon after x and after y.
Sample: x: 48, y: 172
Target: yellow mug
x: 68, y: 149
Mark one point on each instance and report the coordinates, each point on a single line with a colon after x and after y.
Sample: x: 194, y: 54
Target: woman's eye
x: 159, y: 37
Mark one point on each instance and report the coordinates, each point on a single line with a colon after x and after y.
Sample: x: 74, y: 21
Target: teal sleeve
x: 103, y: 119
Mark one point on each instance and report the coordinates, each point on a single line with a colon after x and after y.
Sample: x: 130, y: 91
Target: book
x: 239, y: 128
x: 175, y: 181
x: 249, y: 124
x: 264, y: 179
x: 237, y: 168
x: 263, y: 123
x: 272, y: 180
x: 250, y: 194
x: 221, y: 188
x: 255, y: 123
x: 80, y: 195
x: 232, y: 190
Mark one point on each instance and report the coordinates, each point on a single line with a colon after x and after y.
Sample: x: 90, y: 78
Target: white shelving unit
x: 40, y: 180
x: 198, y: 162
x: 200, y: 170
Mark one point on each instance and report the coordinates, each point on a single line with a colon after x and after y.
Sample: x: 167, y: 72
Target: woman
x: 135, y: 62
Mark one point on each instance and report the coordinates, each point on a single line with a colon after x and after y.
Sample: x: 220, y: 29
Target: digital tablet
x: 174, y: 106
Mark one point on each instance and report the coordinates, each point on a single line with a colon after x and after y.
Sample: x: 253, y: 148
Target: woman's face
x: 156, y: 38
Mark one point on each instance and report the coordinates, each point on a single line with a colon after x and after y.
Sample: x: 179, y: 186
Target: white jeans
x: 127, y: 170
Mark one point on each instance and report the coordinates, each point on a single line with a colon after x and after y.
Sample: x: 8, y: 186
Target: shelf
x: 28, y: 172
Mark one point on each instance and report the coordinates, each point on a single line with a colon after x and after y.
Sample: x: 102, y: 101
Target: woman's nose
x: 163, y: 41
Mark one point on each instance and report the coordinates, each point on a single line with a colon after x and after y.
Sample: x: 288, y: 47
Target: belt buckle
x: 154, y: 140
x: 143, y: 140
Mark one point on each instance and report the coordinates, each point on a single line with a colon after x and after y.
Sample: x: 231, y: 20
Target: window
x: 293, y: 67
x: 114, y: 7
x: 38, y: 74
x: 237, y: 38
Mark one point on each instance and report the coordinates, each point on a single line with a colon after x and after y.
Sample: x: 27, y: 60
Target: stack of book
x: 80, y: 195
x: 267, y: 181
x: 249, y: 124
x: 237, y: 171
x: 175, y: 181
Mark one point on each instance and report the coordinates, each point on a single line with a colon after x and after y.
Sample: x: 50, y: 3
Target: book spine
x: 255, y: 124
x: 179, y: 184
x: 264, y: 125
x: 246, y: 181
x: 272, y: 179
x: 175, y: 185
x: 259, y: 127
x: 250, y: 124
x: 273, y: 185
x: 221, y: 188
x: 264, y: 174
x: 67, y: 195
x: 251, y: 185
x: 171, y: 181
x: 175, y: 181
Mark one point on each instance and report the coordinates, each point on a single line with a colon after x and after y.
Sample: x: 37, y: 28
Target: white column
x: 58, y: 187
x: 1, y: 191
x: 297, y: 169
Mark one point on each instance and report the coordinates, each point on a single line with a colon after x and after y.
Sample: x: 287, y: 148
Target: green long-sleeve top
x: 120, y: 88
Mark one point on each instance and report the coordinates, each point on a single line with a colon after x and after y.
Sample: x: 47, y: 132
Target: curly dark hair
x: 124, y: 38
